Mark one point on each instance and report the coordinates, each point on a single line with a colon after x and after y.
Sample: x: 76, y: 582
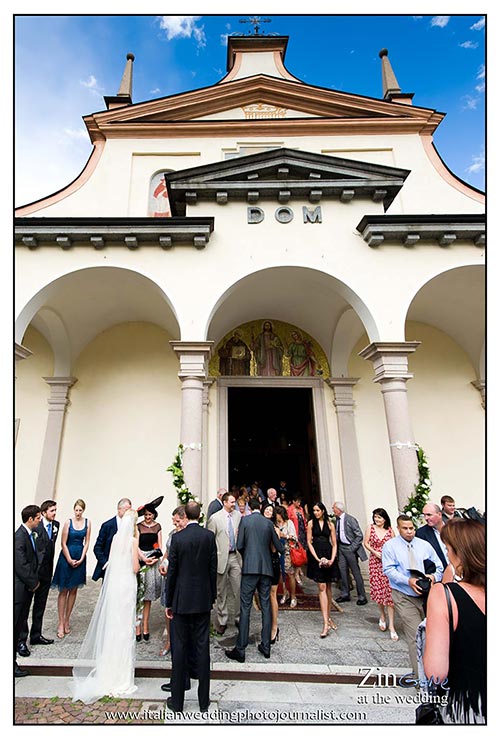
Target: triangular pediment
x: 225, y: 100
x: 284, y: 174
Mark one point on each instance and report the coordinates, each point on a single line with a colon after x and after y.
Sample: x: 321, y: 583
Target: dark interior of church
x: 271, y: 438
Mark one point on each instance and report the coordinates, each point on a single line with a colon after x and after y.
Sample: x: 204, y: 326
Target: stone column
x: 193, y: 357
x: 20, y: 353
x: 390, y: 362
x: 480, y: 385
x: 58, y: 402
x: 343, y: 400
x: 205, y: 494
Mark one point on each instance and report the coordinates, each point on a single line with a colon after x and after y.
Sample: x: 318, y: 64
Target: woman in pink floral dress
x: 376, y: 535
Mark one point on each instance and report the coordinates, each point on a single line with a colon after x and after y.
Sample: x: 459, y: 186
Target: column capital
x: 21, y: 353
x: 342, y: 392
x: 480, y: 385
x: 390, y: 359
x: 193, y: 357
x: 59, y: 388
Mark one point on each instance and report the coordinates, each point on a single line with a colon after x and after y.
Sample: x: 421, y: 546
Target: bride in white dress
x: 106, y: 662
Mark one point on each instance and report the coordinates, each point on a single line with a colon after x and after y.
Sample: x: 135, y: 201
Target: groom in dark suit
x: 25, y: 573
x: 46, y: 531
x: 256, y: 536
x: 105, y: 537
x: 190, y: 591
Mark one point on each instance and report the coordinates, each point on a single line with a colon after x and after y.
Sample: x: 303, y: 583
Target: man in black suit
x: 256, y: 536
x: 431, y: 531
x: 46, y: 531
x: 216, y: 505
x: 25, y: 573
x: 190, y: 592
x: 105, y: 537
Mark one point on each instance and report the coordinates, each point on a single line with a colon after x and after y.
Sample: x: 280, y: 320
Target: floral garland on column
x: 422, y: 490
x: 183, y: 493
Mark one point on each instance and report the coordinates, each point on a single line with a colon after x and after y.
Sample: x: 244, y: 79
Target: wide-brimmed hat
x: 151, y: 506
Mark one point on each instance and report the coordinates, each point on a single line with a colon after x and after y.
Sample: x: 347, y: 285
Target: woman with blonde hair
x: 70, y: 573
x: 455, y: 648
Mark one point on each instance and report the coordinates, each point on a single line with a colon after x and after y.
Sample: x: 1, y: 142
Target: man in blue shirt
x: 400, y: 555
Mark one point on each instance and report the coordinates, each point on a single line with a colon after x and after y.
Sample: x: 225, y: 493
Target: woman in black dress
x: 463, y: 659
x: 322, y: 546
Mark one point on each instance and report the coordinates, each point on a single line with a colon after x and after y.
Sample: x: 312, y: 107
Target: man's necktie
x: 230, y: 531
x: 412, y: 560
x: 32, y: 538
x: 49, y: 530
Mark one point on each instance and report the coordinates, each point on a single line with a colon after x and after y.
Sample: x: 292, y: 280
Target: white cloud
x: 479, y: 25
x: 470, y: 102
x: 223, y: 39
x: 469, y: 45
x: 440, y: 21
x: 183, y: 26
x: 92, y: 86
x: 155, y: 91
x: 77, y: 133
x: 481, y: 72
x: 477, y: 164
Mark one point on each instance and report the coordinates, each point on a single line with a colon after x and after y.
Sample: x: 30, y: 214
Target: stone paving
x: 316, y: 668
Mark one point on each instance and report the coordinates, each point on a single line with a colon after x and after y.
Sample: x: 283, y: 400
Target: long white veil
x: 106, y: 660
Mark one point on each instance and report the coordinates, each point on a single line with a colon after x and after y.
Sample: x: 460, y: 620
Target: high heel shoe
x: 146, y: 636
x: 138, y: 638
x: 337, y: 607
x: 284, y: 598
x: 332, y: 624
x: 276, y: 637
x: 326, y: 630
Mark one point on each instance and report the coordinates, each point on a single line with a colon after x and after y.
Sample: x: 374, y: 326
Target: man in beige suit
x: 224, y: 524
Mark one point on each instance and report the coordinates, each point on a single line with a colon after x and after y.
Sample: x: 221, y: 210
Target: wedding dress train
x: 106, y: 661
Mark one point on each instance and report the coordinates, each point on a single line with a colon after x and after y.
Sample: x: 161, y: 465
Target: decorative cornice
x: 193, y: 358
x: 409, y: 230
x: 101, y: 233
x: 21, y: 352
x: 337, y: 111
x: 274, y: 173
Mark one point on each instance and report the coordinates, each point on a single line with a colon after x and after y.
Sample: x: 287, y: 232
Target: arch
x: 74, y: 307
x: 454, y: 301
x: 52, y: 327
x: 347, y: 334
x: 303, y: 296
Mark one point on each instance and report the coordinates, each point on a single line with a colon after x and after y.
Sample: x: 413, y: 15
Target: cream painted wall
x: 119, y: 188
x: 447, y: 419
x: 454, y: 440
x: 122, y: 428
x: 31, y: 407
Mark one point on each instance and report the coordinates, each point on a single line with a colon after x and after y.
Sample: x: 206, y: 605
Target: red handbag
x: 298, y: 555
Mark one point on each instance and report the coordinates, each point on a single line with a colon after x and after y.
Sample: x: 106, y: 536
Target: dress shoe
x: 341, y: 599
x: 361, y: 602
x: 265, y: 653
x: 221, y: 630
x: 146, y: 636
x: 20, y: 672
x: 41, y: 641
x: 235, y: 655
x: 166, y: 686
x: 170, y: 705
x: 138, y: 638
x: 22, y: 650
x: 204, y: 709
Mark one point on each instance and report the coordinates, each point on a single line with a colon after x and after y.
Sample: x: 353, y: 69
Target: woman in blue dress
x: 70, y: 573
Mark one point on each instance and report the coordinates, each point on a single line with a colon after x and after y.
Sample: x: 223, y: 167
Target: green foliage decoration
x: 183, y: 493
x: 421, y: 496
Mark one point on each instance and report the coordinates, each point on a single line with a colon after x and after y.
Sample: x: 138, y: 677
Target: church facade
x: 284, y: 278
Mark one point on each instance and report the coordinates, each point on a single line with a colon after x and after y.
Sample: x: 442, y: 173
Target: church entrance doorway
x: 271, y: 438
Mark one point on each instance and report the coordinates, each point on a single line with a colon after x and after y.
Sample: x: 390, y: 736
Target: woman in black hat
x: 150, y: 579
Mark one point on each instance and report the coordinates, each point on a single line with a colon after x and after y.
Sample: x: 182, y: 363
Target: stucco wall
x: 31, y: 393
x: 122, y: 428
x: 447, y: 419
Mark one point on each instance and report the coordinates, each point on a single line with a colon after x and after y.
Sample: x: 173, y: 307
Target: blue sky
x: 63, y: 65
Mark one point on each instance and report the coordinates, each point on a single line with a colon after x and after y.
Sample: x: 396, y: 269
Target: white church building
x: 286, y: 279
